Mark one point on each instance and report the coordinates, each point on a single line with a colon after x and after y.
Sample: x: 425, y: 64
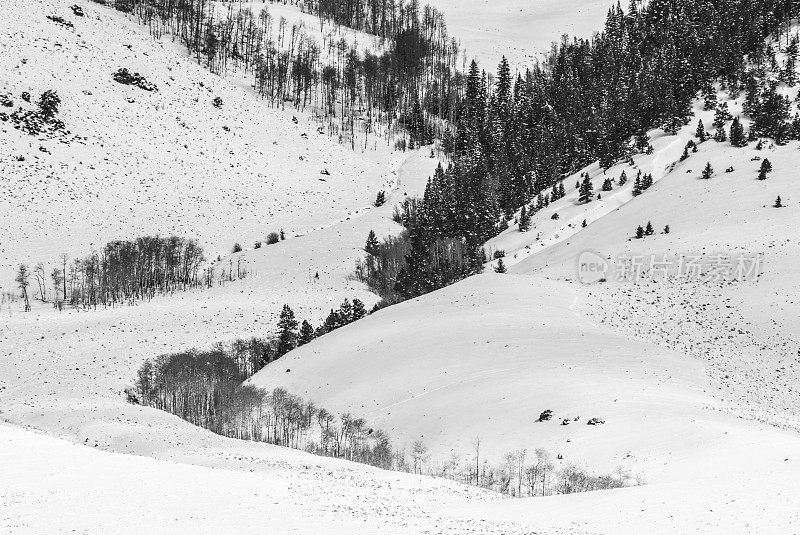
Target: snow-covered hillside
x: 521, y: 30
x: 139, y: 162
x: 695, y: 380
x: 685, y: 372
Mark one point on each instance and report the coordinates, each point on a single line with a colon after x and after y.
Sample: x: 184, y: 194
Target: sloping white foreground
x: 53, y: 486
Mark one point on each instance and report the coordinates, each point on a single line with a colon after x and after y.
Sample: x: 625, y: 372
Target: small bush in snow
x: 273, y: 238
x: 123, y: 76
x: 545, y: 416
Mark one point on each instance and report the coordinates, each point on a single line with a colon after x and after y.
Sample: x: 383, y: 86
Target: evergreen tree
x: 648, y: 231
x: 623, y: 178
x: 524, y: 219
x: 372, y: 247
x: 359, y: 310
x: 346, y: 312
x: 708, y: 171
x: 287, y: 331
x: 639, y: 232
x: 737, y: 134
x: 583, y: 224
x: 607, y: 185
x: 561, y: 191
x: 586, y: 190
x: 778, y: 203
x: 500, y: 267
x: 700, y: 133
x: 666, y: 229
x: 721, y: 115
x: 637, y: 186
x: 789, y: 73
x: 306, y: 334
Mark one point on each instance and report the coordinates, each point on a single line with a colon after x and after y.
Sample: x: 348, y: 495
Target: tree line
x: 122, y: 272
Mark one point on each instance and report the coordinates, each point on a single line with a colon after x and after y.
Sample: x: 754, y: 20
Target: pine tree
x: 721, y: 115
x: 524, y: 219
x: 500, y: 267
x: 346, y: 312
x: 789, y: 74
x: 287, y: 331
x: 306, y: 334
x: 359, y: 310
x: 371, y: 247
x: 561, y: 191
x: 607, y: 185
x: 637, y: 186
x: 737, y: 134
x: 586, y: 190
x: 623, y: 178
x: 583, y: 225
x: 666, y: 229
x: 708, y: 172
x: 639, y: 232
x: 649, y: 230
x: 778, y: 203
x: 700, y: 133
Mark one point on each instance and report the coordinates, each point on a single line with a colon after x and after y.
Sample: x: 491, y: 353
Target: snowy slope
x: 686, y: 376
x: 687, y: 373
x: 249, y: 488
x: 521, y: 30
x: 484, y: 357
x: 139, y: 162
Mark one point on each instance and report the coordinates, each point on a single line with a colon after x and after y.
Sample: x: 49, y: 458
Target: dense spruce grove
x: 514, y: 138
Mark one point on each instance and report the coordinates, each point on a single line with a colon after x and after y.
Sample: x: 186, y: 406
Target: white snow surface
x: 520, y: 30
x: 697, y: 382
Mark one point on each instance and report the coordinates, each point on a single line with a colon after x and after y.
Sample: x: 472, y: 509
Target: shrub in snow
x: 77, y: 10
x: 48, y: 104
x: 545, y: 416
x: 217, y: 102
x: 60, y: 20
x: 596, y: 421
x: 273, y: 238
x: 123, y: 76
x: 237, y: 248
